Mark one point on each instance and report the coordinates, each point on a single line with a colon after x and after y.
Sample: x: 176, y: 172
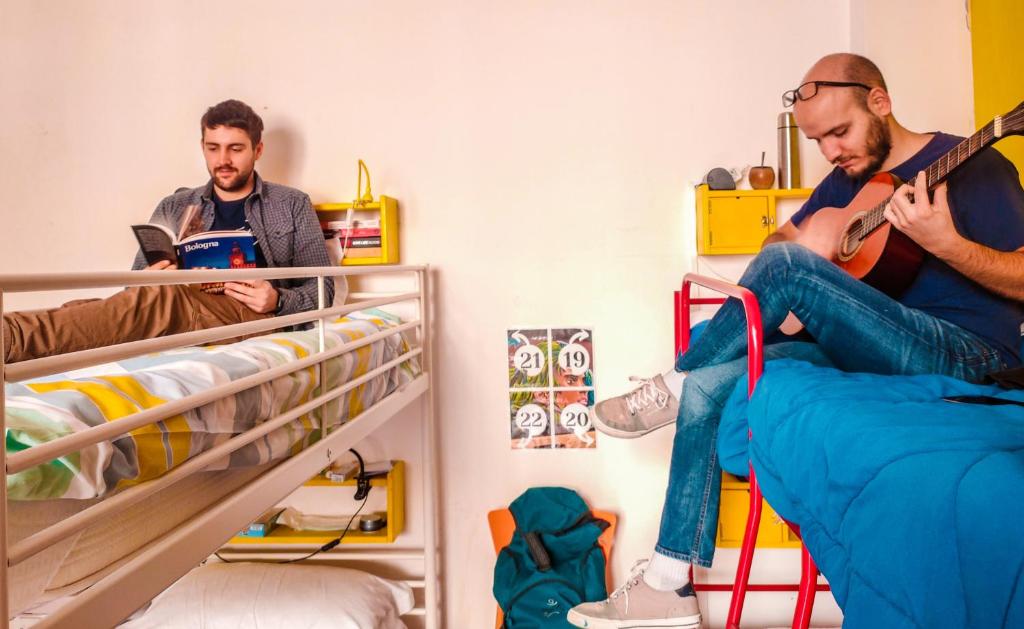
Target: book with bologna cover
x: 195, y: 249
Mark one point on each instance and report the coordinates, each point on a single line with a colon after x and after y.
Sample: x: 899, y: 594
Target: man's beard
x: 236, y: 183
x: 879, y: 144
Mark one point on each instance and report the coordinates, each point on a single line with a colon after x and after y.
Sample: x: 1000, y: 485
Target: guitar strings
x: 872, y: 216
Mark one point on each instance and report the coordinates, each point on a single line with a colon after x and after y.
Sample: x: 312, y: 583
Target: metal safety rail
x: 117, y: 595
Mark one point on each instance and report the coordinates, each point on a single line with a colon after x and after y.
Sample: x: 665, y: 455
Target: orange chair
x: 503, y: 524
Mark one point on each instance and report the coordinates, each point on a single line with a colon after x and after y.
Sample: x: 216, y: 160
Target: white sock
x: 666, y: 573
x: 674, y: 381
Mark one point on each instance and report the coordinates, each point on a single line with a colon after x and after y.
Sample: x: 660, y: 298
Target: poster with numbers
x: 551, y: 387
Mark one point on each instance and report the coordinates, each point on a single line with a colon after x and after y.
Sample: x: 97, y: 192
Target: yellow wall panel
x: 998, y: 51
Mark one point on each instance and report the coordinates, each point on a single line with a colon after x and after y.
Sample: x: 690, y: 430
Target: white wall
x: 543, y: 154
x: 924, y: 49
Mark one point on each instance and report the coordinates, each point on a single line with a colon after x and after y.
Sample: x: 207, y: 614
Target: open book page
x: 191, y: 222
x: 156, y: 242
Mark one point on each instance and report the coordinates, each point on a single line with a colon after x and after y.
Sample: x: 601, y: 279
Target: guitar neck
x: 940, y: 169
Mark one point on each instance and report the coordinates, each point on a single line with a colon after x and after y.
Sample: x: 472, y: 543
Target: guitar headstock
x: 1011, y: 123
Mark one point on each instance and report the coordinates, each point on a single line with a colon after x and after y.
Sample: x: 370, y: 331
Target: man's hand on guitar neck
x: 928, y: 223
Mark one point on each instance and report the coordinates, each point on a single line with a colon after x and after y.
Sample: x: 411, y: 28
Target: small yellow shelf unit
x: 732, y: 519
x: 393, y: 484
x: 385, y: 209
x: 737, y: 221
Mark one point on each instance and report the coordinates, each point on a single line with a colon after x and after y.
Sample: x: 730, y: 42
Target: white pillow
x: 266, y: 595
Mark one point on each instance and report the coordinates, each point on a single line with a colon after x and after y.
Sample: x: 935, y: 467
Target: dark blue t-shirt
x: 228, y: 215
x: 987, y: 204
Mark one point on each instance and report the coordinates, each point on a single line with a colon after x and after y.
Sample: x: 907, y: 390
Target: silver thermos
x: 789, y: 152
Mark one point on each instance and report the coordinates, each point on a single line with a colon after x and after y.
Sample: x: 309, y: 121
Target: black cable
x: 334, y: 542
x: 362, y: 491
x: 326, y: 547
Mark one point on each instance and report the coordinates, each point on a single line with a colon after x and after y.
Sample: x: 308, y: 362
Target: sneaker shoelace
x: 635, y: 574
x: 646, y: 395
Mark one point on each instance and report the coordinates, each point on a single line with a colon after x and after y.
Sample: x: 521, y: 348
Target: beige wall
x: 924, y: 49
x: 544, y: 155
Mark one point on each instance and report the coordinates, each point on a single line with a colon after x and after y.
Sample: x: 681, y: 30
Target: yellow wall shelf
x: 386, y: 209
x: 738, y: 221
x: 393, y: 484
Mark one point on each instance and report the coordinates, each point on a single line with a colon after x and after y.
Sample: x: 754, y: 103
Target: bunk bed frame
x: 120, y: 593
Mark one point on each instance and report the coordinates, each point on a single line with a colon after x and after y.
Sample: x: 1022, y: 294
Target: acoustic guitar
x: 869, y: 248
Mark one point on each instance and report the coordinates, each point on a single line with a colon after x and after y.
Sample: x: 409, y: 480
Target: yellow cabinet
x: 732, y: 519
x: 737, y: 221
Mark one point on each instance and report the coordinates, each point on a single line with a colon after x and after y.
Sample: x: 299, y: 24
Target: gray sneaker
x: 637, y: 604
x: 647, y: 407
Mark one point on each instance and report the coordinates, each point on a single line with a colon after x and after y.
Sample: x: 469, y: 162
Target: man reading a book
x: 281, y: 219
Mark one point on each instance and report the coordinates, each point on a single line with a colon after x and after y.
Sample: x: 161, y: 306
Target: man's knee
x: 154, y: 296
x: 778, y: 260
x: 154, y: 310
x: 786, y: 253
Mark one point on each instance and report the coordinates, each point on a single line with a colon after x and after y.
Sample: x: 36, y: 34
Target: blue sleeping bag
x: 913, y: 507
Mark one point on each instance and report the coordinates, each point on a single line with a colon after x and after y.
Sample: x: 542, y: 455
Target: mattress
x: 46, y: 409
x: 911, y: 505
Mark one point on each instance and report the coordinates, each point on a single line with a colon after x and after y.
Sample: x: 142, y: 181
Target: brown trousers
x: 134, y: 314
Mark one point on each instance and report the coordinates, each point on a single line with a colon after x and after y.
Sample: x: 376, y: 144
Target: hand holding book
x: 196, y: 250
x: 162, y: 265
x: 258, y: 295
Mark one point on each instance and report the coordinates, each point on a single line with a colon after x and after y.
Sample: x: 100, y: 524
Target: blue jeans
x: 856, y: 328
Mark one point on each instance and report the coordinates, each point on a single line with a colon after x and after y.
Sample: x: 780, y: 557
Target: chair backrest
x: 502, y: 525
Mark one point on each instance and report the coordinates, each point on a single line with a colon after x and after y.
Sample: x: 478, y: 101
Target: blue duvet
x: 913, y: 507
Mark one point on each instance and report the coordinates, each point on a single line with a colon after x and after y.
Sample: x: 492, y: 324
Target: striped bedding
x: 45, y: 409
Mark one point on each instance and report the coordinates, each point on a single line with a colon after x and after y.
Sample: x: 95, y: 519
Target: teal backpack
x: 553, y: 562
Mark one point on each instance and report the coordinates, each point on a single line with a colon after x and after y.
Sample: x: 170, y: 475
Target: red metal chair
x: 808, y: 586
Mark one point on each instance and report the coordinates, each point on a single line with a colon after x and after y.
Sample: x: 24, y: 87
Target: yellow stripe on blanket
x: 363, y: 355
x: 120, y: 396
x: 304, y: 396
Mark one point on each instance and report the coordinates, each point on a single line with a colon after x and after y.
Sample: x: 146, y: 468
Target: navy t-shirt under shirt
x: 987, y: 204
x: 228, y: 215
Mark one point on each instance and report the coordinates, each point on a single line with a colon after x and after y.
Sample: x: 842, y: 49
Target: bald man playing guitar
x: 884, y: 276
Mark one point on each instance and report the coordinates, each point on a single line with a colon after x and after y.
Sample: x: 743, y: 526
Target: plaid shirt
x: 285, y: 227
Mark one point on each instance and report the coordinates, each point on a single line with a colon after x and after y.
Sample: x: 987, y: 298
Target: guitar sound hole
x: 852, y: 238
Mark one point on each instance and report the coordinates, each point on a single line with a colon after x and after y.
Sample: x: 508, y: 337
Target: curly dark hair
x: 233, y: 113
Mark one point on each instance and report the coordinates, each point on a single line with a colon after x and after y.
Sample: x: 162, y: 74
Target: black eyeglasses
x: 809, y: 90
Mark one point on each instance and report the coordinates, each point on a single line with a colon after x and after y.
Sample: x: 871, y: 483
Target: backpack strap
x: 537, y: 551
x: 535, y: 544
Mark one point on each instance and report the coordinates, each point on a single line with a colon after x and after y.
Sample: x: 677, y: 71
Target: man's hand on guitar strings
x: 928, y: 223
